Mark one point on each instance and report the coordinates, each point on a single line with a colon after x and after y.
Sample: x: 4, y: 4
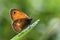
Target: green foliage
x: 48, y: 11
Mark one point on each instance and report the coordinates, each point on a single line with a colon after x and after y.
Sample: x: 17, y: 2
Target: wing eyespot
x: 14, y: 12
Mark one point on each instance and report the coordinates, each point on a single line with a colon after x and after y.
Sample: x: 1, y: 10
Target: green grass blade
x: 25, y: 31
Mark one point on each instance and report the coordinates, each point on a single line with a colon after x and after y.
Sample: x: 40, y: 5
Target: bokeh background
x: 48, y: 11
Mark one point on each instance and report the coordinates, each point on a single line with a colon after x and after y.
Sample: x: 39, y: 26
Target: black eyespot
x: 14, y: 12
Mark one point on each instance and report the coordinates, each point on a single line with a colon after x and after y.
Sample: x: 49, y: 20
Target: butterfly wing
x: 17, y: 25
x: 16, y: 14
x: 20, y: 20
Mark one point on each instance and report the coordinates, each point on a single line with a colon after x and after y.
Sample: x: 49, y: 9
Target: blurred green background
x: 48, y: 11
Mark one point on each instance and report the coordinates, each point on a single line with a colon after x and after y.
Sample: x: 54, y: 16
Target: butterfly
x: 20, y: 20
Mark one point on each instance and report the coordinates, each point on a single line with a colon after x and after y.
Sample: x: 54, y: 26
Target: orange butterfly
x: 20, y: 20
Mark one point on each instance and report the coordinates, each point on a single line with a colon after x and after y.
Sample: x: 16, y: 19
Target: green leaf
x: 25, y: 31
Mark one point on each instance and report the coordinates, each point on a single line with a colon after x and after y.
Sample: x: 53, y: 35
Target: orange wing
x: 16, y: 14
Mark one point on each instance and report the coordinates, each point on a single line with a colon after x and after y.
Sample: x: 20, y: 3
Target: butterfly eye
x: 14, y: 12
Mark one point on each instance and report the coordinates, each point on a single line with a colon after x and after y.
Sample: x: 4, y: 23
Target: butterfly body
x: 20, y: 20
